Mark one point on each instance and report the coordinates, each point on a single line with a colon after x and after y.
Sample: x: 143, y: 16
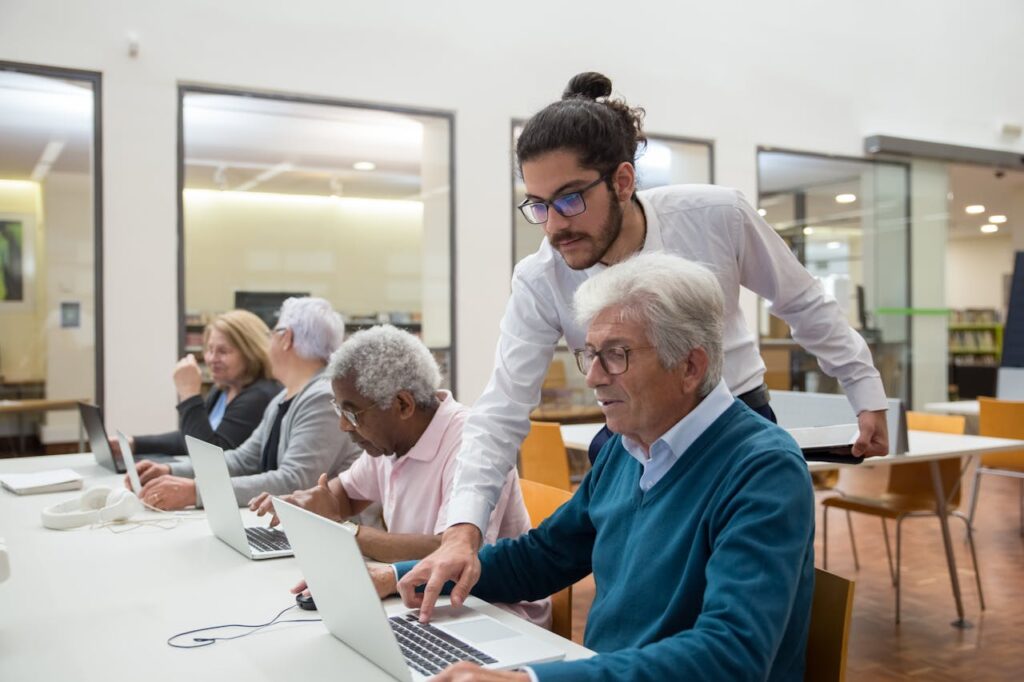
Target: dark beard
x: 602, y: 242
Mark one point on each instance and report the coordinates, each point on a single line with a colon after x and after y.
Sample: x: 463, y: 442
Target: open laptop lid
x: 337, y: 578
x: 129, y: 463
x: 98, y: 443
x: 214, y: 484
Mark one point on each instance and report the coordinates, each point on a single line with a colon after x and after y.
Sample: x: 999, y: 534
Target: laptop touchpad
x: 480, y: 630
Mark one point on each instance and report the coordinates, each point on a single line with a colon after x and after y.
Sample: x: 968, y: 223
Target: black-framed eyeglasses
x: 614, y: 360
x: 349, y: 416
x: 567, y: 205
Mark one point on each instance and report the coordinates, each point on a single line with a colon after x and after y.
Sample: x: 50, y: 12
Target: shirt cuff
x: 469, y: 507
x: 529, y: 671
x: 867, y: 395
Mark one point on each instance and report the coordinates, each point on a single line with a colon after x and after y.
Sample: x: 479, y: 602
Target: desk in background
x: 20, y: 407
x: 99, y: 605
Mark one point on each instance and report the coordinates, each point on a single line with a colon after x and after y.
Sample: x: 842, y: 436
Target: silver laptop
x: 214, y: 484
x: 348, y: 603
x: 129, y: 463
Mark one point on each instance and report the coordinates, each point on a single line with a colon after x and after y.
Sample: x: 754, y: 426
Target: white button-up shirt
x: 711, y: 225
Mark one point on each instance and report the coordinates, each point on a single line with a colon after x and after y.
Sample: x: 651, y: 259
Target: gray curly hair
x: 679, y: 303
x: 384, y: 360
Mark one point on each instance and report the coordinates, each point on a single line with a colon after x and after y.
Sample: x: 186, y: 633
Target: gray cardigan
x: 311, y: 443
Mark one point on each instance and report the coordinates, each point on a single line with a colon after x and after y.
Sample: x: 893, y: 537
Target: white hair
x: 384, y: 360
x: 678, y: 302
x: 316, y: 329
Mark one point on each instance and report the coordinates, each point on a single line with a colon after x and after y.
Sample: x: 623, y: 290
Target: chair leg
x: 975, y: 489
x: 974, y: 560
x: 1022, y: 507
x: 899, y: 548
x: 824, y: 538
x: 853, y: 541
x: 888, y: 550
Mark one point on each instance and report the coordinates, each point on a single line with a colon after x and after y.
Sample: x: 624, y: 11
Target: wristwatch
x: 351, y: 527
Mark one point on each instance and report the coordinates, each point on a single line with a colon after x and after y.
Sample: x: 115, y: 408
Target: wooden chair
x: 541, y: 502
x: 910, y: 493
x: 542, y: 456
x: 829, y: 631
x: 1000, y: 419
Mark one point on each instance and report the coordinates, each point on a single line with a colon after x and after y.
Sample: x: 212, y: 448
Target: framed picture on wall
x: 17, y: 260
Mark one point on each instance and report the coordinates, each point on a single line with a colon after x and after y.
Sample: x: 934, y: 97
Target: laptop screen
x: 98, y: 442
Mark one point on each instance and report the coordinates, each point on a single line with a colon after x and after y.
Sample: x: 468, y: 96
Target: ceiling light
x: 997, y: 219
x: 833, y: 245
x: 808, y: 231
x: 989, y: 228
x: 761, y: 212
x: 974, y: 209
x: 364, y: 165
x: 846, y: 198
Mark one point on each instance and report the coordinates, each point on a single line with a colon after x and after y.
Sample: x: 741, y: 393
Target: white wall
x: 975, y: 271
x: 789, y: 74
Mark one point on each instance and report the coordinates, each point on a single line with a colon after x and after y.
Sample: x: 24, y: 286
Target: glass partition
x: 847, y: 221
x: 286, y: 196
x: 50, y: 313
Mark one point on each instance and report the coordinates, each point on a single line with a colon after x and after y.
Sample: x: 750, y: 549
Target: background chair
x: 1000, y: 419
x: 542, y: 456
x: 829, y: 631
x: 541, y: 502
x: 910, y: 492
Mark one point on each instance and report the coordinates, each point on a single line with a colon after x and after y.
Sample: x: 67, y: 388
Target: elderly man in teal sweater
x: 697, y: 519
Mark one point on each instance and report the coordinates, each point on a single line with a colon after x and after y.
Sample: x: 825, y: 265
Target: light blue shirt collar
x: 667, y: 450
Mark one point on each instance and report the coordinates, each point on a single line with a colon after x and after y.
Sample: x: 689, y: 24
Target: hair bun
x: 588, y: 84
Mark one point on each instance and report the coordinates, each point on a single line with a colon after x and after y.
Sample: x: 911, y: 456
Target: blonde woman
x: 235, y: 349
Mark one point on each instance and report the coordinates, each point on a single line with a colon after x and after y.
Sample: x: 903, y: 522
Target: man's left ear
x: 624, y: 181
x: 695, y: 367
x: 406, y: 404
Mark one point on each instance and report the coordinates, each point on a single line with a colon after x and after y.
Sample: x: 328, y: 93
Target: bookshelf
x: 975, y: 349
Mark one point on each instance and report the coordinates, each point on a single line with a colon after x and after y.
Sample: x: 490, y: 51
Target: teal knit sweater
x: 707, y: 576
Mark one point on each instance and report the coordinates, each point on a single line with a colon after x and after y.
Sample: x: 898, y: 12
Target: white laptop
x: 214, y: 484
x: 129, y: 463
x: 333, y: 567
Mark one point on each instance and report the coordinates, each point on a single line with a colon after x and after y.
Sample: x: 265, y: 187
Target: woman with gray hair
x: 298, y: 437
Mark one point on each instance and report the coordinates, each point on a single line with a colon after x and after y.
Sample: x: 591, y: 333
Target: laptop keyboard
x: 267, y: 539
x: 428, y: 650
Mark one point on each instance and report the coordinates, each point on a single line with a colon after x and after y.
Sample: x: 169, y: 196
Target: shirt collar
x: 688, y: 429
x: 426, y: 448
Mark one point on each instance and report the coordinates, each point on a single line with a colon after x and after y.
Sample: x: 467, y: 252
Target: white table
x: 95, y: 605
x: 967, y: 408
x: 925, y: 446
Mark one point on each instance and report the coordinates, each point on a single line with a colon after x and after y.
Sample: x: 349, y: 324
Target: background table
x: 20, y: 407
x: 97, y: 605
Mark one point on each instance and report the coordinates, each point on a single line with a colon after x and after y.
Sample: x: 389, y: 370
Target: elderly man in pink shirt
x: 385, y: 384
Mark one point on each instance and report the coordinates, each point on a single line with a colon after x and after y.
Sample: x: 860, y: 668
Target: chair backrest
x: 542, y: 456
x: 541, y: 502
x: 916, y: 479
x: 1002, y: 419
x: 830, y: 628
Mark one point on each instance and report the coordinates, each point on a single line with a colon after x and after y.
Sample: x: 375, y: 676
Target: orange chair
x: 541, y: 502
x: 542, y: 456
x: 1000, y: 419
x: 910, y: 493
x: 829, y: 632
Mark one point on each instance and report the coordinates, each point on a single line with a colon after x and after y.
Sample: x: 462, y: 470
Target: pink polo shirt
x: 414, y: 490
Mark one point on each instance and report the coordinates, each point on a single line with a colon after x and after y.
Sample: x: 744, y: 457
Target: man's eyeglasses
x: 567, y: 205
x: 614, y: 360
x: 349, y: 416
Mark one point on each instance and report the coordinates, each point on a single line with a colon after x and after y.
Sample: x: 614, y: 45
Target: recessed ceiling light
x: 846, y: 198
x: 364, y: 165
x: 989, y: 229
x: 997, y: 219
x: 808, y: 231
x: 974, y: 209
x: 833, y: 245
x: 761, y: 212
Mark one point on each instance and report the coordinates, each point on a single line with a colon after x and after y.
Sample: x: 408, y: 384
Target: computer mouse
x: 305, y: 601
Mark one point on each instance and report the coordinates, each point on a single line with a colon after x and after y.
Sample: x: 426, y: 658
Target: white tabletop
x: 924, y: 446
x: 97, y: 605
x: 968, y: 408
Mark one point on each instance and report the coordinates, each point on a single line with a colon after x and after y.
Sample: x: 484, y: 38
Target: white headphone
x: 96, y: 505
